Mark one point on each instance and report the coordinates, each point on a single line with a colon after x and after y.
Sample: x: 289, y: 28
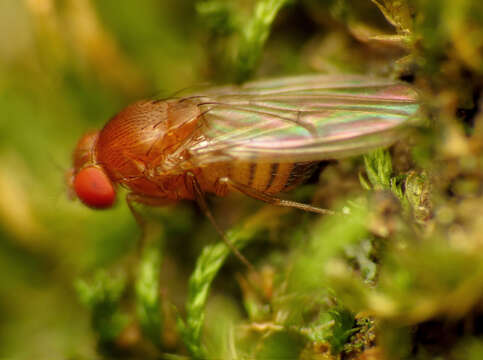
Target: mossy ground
x: 397, y: 275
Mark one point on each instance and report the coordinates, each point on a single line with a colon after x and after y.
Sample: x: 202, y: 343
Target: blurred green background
x: 74, y: 283
x: 66, y: 67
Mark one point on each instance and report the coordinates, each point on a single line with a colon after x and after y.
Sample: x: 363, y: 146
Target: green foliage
x: 329, y: 237
x: 218, y: 16
x: 147, y: 290
x: 281, y: 345
x: 103, y: 296
x: 209, y: 263
x: 396, y: 274
x: 379, y: 172
x: 254, y: 35
x: 250, y: 32
x: 343, y: 328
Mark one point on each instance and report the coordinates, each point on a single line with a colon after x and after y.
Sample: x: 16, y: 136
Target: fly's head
x: 88, y: 180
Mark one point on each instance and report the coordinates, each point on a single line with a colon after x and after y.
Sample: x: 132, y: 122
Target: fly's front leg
x: 132, y: 199
x: 244, y: 189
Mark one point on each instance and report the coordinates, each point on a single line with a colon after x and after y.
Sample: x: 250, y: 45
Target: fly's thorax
x: 144, y: 145
x: 144, y: 134
x: 126, y: 141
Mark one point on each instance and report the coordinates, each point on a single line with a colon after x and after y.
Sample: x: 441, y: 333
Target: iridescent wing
x: 303, y: 118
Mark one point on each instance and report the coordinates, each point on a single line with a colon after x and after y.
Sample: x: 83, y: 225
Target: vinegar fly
x: 260, y: 139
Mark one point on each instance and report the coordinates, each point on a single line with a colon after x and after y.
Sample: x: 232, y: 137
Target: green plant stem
x: 254, y: 35
x: 209, y: 263
x: 148, y: 302
x: 103, y: 296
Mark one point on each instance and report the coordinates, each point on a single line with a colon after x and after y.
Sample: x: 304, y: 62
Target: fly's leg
x: 131, y: 199
x: 244, y: 189
x: 201, y: 201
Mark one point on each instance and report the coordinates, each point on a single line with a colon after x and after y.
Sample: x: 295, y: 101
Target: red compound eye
x: 94, y: 188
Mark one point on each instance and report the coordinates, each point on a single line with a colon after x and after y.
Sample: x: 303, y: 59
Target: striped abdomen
x: 265, y: 177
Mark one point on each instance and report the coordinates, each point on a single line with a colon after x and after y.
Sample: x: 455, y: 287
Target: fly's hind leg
x: 201, y: 201
x: 244, y: 189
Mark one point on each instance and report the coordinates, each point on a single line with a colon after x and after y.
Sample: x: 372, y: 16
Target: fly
x: 261, y: 139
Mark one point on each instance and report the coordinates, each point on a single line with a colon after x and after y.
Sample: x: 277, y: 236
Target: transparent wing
x: 303, y: 118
